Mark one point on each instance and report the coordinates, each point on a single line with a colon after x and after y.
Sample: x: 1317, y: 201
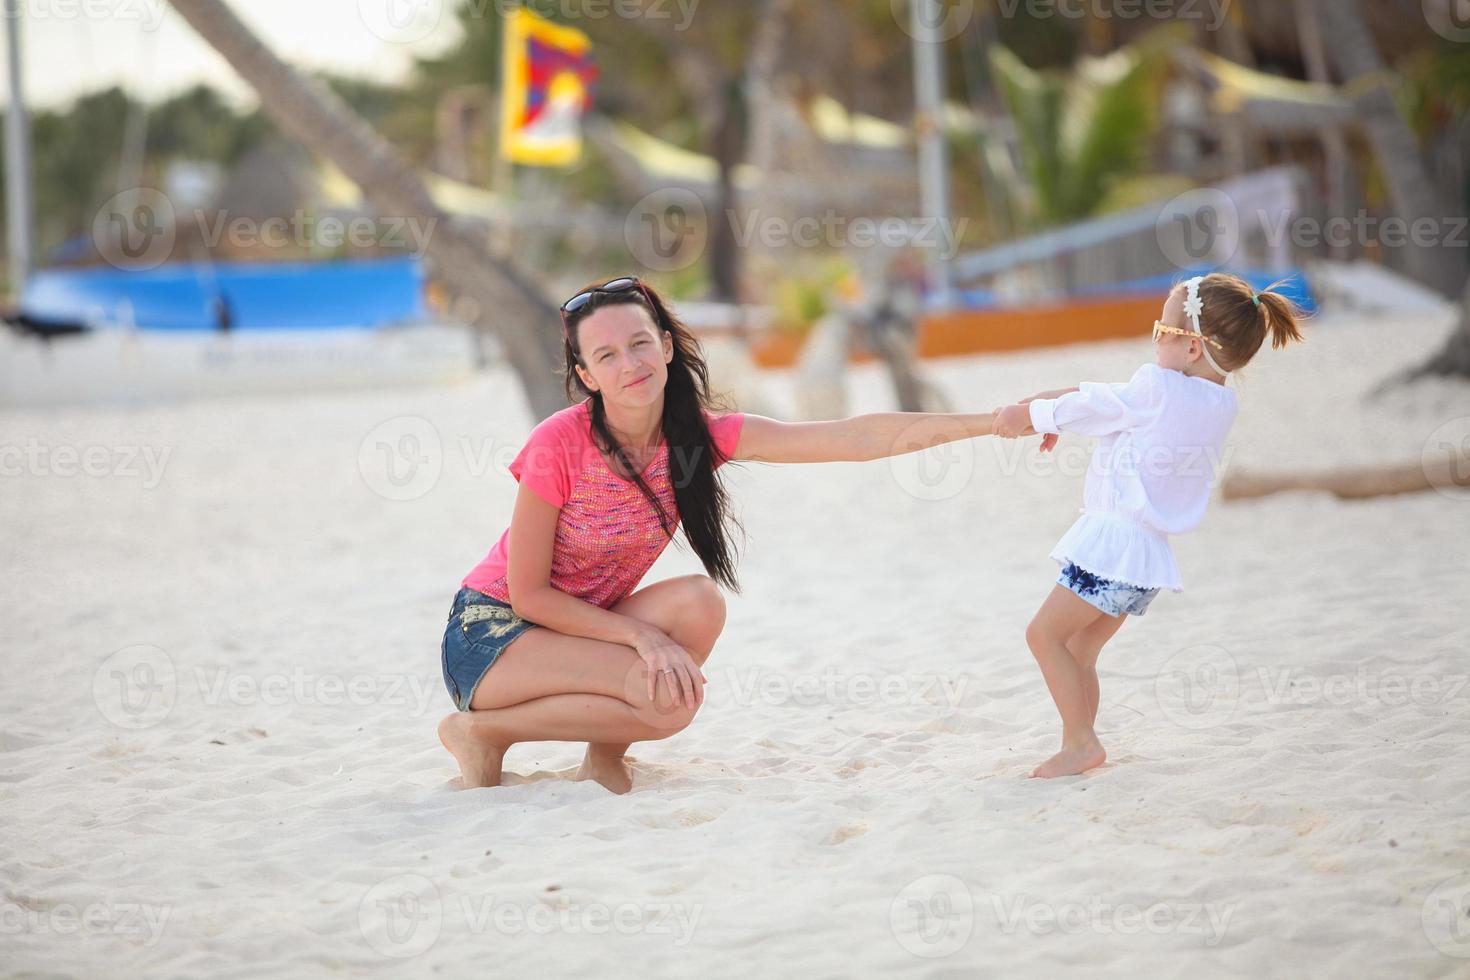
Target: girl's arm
x: 1097, y: 409
x: 856, y: 439
x: 1014, y: 421
x: 533, y: 597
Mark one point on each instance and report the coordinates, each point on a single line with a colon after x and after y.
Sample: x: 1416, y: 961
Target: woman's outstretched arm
x: 855, y: 439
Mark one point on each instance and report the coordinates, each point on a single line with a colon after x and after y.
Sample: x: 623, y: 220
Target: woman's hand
x: 670, y: 663
x: 1048, y: 439
x: 1013, y: 421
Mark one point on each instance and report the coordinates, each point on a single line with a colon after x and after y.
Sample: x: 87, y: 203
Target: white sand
x: 851, y: 799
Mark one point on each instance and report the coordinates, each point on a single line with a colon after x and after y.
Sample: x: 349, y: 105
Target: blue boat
x: 108, y: 335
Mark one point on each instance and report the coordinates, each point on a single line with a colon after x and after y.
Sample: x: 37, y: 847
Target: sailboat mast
x: 927, y: 25
x: 18, y: 207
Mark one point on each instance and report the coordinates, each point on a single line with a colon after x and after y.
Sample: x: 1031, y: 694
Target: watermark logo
x: 1199, y: 687
x: 135, y: 229
x: 939, y: 472
x: 401, y: 458
x: 667, y: 711
x: 933, y: 916
x: 1198, y: 227
x: 1450, y: 19
x: 1446, y: 459
x: 665, y: 231
x: 135, y: 687
x: 1446, y: 916
x: 401, y: 21
x: 932, y: 21
x: 401, y: 916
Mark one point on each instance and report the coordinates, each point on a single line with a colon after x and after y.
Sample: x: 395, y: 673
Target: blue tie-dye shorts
x: 1113, y: 598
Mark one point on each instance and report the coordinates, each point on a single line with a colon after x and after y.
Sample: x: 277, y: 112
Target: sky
x: 76, y: 46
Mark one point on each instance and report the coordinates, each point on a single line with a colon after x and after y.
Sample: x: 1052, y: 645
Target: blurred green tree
x: 1082, y: 132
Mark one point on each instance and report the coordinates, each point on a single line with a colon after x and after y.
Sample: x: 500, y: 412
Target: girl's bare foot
x: 1072, y: 760
x: 611, y: 772
x: 479, y: 755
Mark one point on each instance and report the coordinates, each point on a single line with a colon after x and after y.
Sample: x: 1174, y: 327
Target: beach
x: 221, y: 633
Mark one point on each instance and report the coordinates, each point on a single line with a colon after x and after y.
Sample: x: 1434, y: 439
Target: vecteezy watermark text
x: 148, y: 13
x: 35, y: 458
x: 128, y: 920
x: 833, y: 230
x: 753, y: 685
x: 137, y: 229
x: 1211, y: 12
x: 402, y: 916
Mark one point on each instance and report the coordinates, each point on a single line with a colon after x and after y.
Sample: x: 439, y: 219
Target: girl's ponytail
x: 1281, y: 317
x: 1241, y: 319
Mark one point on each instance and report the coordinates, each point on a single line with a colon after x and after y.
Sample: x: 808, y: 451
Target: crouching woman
x: 578, y: 654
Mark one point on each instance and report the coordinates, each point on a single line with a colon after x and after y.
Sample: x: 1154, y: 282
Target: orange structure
x: 953, y: 333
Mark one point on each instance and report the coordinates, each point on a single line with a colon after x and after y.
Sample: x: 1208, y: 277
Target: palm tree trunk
x: 1411, y: 191
x: 510, y: 303
x: 728, y: 146
x: 1336, y: 158
x: 1409, y: 183
x: 762, y: 107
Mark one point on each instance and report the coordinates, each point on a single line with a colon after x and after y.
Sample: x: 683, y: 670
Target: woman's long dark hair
x: 700, y: 496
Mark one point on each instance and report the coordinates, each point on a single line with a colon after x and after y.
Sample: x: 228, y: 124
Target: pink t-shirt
x: 607, y: 535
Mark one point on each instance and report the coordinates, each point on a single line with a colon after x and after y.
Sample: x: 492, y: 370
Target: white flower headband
x: 1193, y: 307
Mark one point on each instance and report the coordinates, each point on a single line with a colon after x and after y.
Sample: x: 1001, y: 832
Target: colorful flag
x: 546, y: 86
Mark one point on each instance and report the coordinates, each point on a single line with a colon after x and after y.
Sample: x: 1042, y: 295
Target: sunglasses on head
x: 1161, y: 328
x: 622, y: 285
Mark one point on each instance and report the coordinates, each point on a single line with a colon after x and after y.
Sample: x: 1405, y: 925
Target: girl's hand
x: 1049, y: 439
x: 1013, y: 421
x: 670, y: 664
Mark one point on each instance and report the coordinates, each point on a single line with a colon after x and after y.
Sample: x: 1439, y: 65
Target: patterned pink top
x: 607, y: 536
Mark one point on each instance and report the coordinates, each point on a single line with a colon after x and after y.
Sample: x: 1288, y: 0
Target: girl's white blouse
x: 1163, y: 440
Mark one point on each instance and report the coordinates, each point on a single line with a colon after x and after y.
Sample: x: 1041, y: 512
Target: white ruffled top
x: 1163, y: 440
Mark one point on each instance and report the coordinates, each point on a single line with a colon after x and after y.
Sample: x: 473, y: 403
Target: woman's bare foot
x: 611, y: 772
x: 1072, y: 760
x: 478, y: 754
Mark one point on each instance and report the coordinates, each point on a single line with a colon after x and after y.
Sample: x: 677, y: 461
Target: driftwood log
x: 1356, y: 483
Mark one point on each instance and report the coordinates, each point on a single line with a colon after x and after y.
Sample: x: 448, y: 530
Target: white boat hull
x: 140, y: 366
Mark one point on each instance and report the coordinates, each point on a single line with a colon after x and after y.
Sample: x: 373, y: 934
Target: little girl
x: 1162, y: 437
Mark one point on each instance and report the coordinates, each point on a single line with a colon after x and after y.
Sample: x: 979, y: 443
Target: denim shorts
x: 480, y: 627
x: 1113, y: 598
